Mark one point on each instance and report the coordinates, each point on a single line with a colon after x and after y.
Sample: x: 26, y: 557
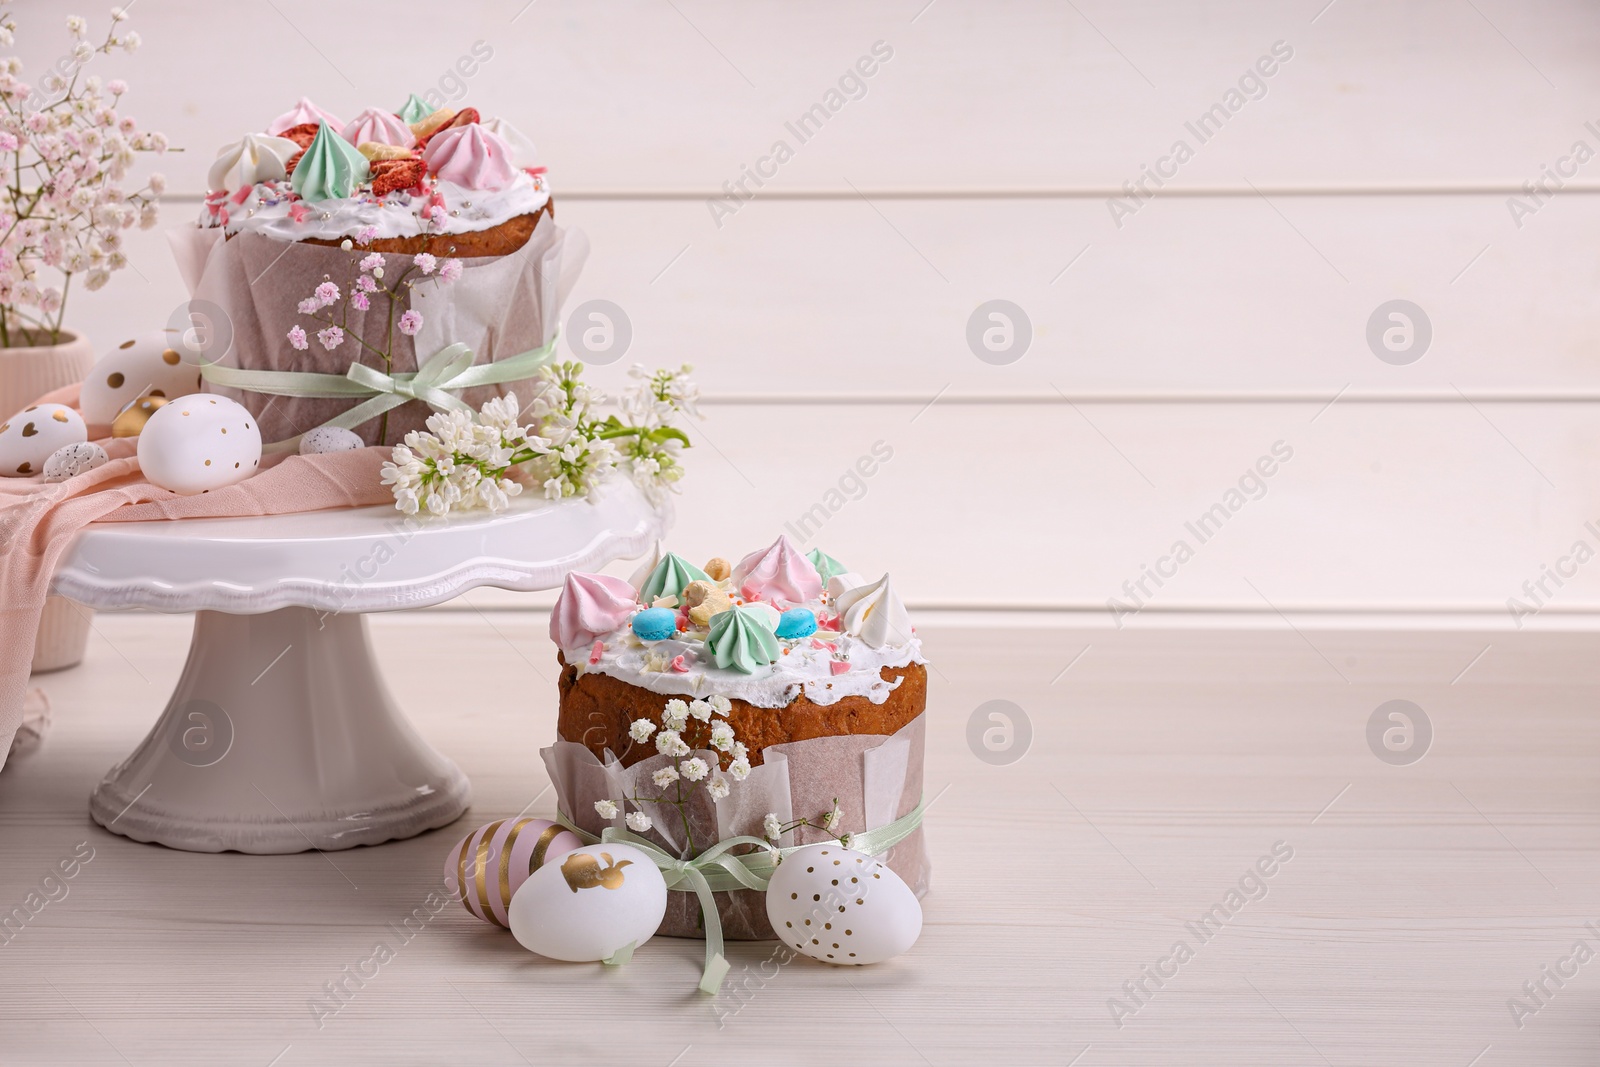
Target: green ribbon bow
x: 449, y: 370
x: 717, y: 870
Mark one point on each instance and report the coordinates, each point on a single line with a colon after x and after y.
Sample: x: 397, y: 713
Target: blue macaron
x: 797, y: 622
x: 658, y: 624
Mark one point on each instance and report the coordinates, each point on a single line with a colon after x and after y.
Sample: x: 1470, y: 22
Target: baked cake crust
x: 596, y: 710
x: 501, y: 239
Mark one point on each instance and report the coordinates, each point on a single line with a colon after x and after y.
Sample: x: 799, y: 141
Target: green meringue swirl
x: 826, y: 565
x: 415, y: 109
x: 670, y: 576
x: 742, y: 639
x: 330, y: 169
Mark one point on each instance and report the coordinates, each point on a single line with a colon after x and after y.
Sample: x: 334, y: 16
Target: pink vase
x: 27, y: 372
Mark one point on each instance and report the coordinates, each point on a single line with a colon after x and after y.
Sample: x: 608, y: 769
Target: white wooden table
x: 1162, y: 765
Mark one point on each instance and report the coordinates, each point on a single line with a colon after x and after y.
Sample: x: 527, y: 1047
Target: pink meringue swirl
x: 375, y: 124
x: 303, y: 112
x: 470, y: 156
x: 590, y: 606
x: 780, y: 574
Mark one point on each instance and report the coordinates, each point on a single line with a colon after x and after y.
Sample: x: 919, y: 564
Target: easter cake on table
x: 781, y: 697
x: 419, y: 244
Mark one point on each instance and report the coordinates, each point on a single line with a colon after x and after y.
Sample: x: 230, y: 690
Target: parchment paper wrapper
x: 876, y: 778
x: 500, y: 307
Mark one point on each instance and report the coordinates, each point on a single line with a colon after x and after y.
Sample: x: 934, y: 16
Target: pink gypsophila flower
x: 426, y: 262
x: 359, y: 301
x: 8, y: 142
x: 327, y: 293
x: 308, y: 305
x: 366, y: 284
x: 410, y: 323
x: 366, y: 235
x: 297, y: 339
x: 450, y: 271
x: 372, y: 262
x: 331, y: 338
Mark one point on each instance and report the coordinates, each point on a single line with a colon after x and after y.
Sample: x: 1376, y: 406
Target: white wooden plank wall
x: 1169, y: 354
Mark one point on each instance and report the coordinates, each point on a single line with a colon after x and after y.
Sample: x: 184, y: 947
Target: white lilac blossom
x: 65, y: 155
x: 461, y: 462
x: 606, y: 809
x: 565, y: 451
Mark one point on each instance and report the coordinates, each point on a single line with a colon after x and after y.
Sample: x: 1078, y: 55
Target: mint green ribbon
x: 448, y: 370
x: 717, y: 870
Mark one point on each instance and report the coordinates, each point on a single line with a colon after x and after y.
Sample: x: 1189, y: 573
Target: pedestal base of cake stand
x: 280, y: 737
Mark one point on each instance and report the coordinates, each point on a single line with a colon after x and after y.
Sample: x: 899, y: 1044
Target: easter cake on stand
x: 355, y: 271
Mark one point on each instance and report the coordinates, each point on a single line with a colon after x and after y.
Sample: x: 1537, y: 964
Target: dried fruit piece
x: 292, y: 162
x: 429, y: 125
x: 302, y: 134
x: 391, y: 174
x: 376, y: 150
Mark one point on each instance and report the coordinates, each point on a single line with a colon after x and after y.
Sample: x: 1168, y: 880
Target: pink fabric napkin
x: 38, y: 521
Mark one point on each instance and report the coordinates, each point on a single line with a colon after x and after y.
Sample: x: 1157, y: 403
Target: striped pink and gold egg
x: 490, y: 864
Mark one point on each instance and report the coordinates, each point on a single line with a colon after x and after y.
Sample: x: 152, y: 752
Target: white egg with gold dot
x: 30, y: 436
x: 198, y: 443
x: 841, y: 906
x: 158, y: 364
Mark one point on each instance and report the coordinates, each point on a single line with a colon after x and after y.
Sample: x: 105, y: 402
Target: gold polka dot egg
x: 199, y: 443
x: 843, y: 907
x: 155, y: 365
x: 31, y: 436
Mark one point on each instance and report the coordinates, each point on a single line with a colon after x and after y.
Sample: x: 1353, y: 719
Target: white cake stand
x: 281, y: 735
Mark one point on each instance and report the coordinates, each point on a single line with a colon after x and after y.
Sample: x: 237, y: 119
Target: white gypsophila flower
x: 665, y: 777
x: 722, y: 737
x: 695, y: 769
x: 700, y: 710
x: 675, y: 716
x: 606, y: 809
x: 739, y: 769
x: 641, y: 730
x: 718, y: 788
x: 740, y: 752
x: 720, y: 704
x: 772, y: 827
x: 831, y: 820
x: 639, y: 822
x: 670, y: 743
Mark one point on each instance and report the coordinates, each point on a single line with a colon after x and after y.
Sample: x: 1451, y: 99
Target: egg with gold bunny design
x: 598, y: 900
x: 32, y: 435
x: 198, y: 443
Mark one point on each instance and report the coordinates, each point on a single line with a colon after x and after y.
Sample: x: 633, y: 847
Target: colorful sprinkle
x: 596, y: 652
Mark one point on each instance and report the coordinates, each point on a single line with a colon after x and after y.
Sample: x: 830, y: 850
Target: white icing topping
x: 268, y: 209
x: 805, y: 668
